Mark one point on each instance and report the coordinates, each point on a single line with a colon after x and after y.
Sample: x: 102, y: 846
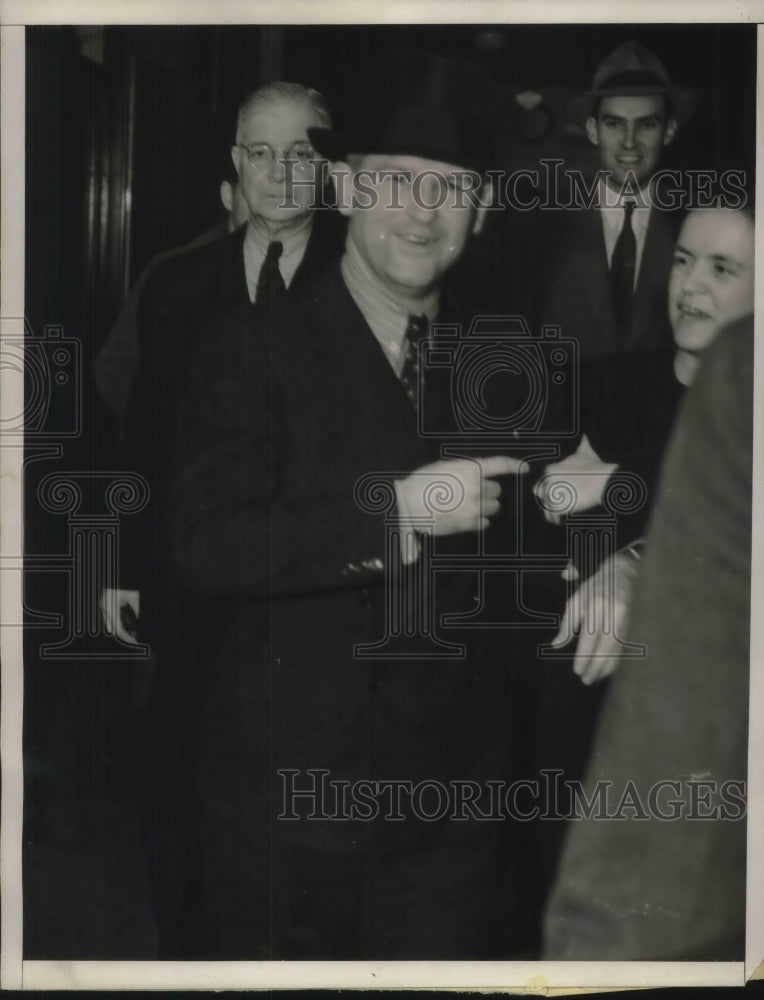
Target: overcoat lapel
x: 231, y: 277
x: 653, y: 276
x: 591, y: 260
x: 359, y: 380
x: 325, y: 246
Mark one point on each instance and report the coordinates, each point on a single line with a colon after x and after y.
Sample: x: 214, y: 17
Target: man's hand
x: 597, y: 614
x: 454, y: 495
x: 577, y: 483
x: 120, y: 610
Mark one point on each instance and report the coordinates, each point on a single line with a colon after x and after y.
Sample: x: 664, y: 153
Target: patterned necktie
x: 622, y: 268
x: 270, y: 284
x: 415, y: 331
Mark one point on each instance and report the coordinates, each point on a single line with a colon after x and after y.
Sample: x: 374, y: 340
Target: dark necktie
x: 415, y: 331
x: 622, y: 268
x: 270, y: 283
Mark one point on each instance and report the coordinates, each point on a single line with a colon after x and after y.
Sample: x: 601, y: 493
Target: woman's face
x: 712, y: 280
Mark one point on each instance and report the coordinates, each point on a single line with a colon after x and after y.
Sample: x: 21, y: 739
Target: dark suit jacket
x: 282, y: 422
x: 117, y: 363
x: 645, y: 887
x: 182, y: 297
x: 577, y: 293
x: 629, y: 405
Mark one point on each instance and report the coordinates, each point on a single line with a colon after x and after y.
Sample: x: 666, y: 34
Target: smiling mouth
x: 415, y: 240
x: 690, y: 312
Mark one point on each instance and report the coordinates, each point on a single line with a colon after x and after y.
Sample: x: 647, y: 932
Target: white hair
x: 272, y: 93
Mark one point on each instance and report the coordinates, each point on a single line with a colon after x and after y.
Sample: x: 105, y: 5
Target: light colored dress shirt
x: 613, y: 215
x: 387, y: 318
x: 256, y: 246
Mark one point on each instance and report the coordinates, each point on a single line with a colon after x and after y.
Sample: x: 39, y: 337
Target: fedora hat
x: 632, y: 70
x: 412, y: 103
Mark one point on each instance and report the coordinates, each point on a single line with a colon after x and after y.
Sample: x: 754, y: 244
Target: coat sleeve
x: 657, y: 871
x: 240, y: 527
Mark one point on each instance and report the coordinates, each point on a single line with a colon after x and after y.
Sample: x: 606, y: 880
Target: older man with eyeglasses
x: 285, y: 244
x: 276, y: 166
x: 281, y: 179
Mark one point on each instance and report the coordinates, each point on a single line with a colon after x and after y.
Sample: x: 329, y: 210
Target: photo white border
x: 510, y: 976
x: 12, y: 237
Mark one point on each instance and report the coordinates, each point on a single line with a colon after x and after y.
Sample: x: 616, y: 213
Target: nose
x: 694, y: 278
x: 277, y: 168
x: 426, y: 197
x: 629, y: 139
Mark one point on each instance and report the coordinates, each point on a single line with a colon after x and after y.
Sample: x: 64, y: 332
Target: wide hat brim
x: 334, y: 145
x: 411, y: 103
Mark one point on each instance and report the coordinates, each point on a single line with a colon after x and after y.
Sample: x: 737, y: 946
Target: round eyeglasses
x: 261, y: 155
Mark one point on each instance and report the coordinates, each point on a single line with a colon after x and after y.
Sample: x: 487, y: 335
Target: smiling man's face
x: 418, y: 224
x: 630, y: 133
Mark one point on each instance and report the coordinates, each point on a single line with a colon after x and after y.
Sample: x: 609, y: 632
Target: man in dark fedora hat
x: 344, y: 714
x: 606, y: 284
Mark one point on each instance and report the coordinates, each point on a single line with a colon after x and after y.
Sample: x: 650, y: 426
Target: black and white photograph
x: 377, y: 497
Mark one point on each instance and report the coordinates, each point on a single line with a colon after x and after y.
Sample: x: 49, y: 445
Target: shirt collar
x: 292, y: 242
x: 610, y: 200
x: 372, y: 297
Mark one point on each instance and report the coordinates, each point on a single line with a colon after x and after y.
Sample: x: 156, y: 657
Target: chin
x: 416, y: 279
x: 622, y: 177
x: 694, y: 339
x: 283, y: 214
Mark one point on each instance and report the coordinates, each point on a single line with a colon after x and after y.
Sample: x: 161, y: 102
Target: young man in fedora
x: 343, y: 714
x: 606, y: 284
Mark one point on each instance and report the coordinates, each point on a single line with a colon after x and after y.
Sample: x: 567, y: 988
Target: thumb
x: 570, y: 574
x: 570, y: 624
x: 564, y: 633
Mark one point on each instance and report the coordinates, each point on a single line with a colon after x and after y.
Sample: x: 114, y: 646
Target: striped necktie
x: 409, y: 376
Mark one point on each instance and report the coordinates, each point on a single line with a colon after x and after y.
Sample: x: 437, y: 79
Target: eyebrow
x: 265, y: 142
x: 723, y: 258
x: 657, y: 117
x: 717, y: 257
